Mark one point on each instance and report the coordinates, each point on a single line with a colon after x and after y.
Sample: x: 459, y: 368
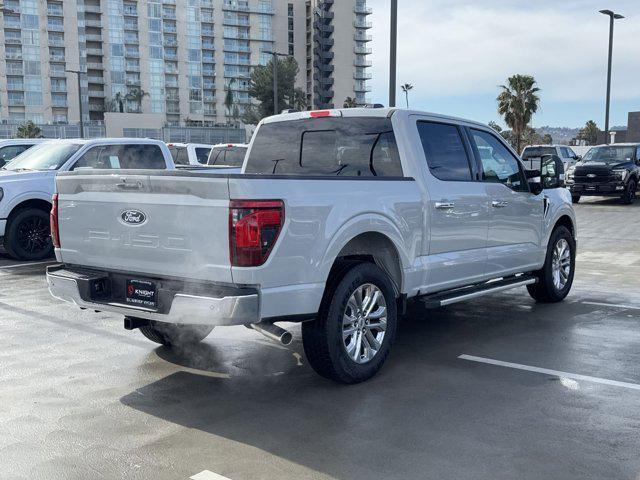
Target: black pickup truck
x: 607, y: 171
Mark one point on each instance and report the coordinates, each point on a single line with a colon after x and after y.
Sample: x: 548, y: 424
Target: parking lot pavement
x: 498, y: 388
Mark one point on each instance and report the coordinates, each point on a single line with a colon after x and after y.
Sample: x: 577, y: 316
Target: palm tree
x: 135, y: 95
x: 406, y: 88
x: 517, y: 103
x: 29, y: 130
x: 350, y: 102
x: 116, y: 104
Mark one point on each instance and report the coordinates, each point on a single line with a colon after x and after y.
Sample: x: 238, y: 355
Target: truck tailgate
x: 162, y: 223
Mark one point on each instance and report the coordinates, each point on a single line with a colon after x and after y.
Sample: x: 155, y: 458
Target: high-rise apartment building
x: 177, y: 58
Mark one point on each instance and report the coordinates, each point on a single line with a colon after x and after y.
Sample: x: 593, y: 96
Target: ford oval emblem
x: 133, y: 217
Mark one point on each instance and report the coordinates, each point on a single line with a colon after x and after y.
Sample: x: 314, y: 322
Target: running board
x: 443, y: 299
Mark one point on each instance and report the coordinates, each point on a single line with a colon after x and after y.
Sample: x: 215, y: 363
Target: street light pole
x: 77, y: 72
x: 612, y: 17
x: 393, y: 54
x: 275, y: 55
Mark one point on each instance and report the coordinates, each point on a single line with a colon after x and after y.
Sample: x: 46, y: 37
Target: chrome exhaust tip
x: 273, y: 332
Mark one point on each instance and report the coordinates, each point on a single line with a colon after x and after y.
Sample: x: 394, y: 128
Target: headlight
x: 620, y: 174
x: 570, y: 171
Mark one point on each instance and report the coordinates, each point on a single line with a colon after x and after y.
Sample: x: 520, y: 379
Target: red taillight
x: 53, y: 221
x: 254, y: 226
x: 320, y: 113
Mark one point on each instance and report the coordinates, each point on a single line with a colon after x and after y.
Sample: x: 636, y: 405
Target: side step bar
x: 443, y: 299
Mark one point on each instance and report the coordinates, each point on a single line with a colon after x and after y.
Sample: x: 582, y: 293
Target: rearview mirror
x: 552, y: 172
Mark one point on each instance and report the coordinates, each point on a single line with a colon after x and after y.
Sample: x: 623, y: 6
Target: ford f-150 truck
x: 28, y: 182
x: 338, y: 218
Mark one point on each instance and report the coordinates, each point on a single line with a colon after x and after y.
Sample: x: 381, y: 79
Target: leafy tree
x: 115, y: 104
x: 517, y: 102
x: 261, y: 88
x: 547, y: 139
x: 228, y: 99
x: 299, y: 100
x: 495, y: 126
x: 589, y: 133
x: 406, y: 88
x: 350, y: 102
x: 134, y: 95
x: 29, y: 130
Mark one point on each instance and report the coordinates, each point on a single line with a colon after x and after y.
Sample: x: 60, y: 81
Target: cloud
x: 458, y: 48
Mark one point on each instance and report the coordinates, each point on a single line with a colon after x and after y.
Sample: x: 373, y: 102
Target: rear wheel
x: 356, y: 326
x: 175, y: 335
x: 556, y: 276
x: 629, y: 195
x: 28, y: 235
x: 575, y: 198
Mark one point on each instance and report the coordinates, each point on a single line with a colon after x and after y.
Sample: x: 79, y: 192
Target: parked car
x: 189, y: 153
x: 10, y: 149
x: 28, y: 182
x: 607, y: 170
x: 532, y: 155
x: 229, y: 155
x: 338, y: 218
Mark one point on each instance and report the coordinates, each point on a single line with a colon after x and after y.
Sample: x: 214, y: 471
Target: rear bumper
x: 179, y: 303
x: 614, y: 189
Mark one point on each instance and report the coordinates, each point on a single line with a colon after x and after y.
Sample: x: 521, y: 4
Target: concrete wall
x: 115, y: 123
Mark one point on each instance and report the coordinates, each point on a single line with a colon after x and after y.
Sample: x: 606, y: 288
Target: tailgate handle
x: 129, y: 186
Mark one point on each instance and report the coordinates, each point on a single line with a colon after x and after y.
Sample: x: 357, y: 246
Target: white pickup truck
x: 338, y: 218
x: 27, y: 184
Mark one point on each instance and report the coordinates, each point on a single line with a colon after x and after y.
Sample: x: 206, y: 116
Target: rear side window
x: 202, y: 155
x: 446, y: 155
x: 122, y: 157
x: 331, y: 146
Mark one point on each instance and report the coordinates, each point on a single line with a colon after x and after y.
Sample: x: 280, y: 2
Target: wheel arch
x: 566, y: 221
x: 31, y: 203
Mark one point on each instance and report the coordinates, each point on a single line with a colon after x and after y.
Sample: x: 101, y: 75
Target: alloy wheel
x: 561, y: 264
x: 33, y: 235
x: 364, y: 323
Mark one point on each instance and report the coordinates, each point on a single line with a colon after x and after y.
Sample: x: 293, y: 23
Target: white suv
x: 532, y: 155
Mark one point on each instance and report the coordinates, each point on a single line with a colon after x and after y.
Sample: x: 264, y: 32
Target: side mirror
x: 552, y: 172
x: 534, y: 180
x: 577, y: 157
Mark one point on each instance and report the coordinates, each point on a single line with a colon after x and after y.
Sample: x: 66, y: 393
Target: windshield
x: 610, y: 154
x: 227, y: 156
x: 43, y: 157
x: 532, y: 152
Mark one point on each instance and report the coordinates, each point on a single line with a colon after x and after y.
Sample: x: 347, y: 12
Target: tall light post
x: 612, y: 17
x: 77, y: 72
x: 393, y: 43
x: 275, y: 55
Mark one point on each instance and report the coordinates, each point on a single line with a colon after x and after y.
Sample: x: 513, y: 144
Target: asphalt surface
x: 81, y: 398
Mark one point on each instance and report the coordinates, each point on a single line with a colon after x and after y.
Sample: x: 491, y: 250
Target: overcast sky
x: 457, y: 52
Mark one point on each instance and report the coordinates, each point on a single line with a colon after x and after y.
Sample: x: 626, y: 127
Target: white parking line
x: 25, y: 265
x: 555, y: 373
x: 616, y: 305
x: 207, y: 475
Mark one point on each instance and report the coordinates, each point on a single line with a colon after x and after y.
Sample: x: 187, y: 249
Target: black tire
x: 629, y: 195
x: 575, y: 198
x: 172, y: 335
x: 28, y: 235
x: 323, y: 338
x: 545, y: 291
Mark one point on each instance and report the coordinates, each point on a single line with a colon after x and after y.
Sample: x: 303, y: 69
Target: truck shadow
x: 411, y: 418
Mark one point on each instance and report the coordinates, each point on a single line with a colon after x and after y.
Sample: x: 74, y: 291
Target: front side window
x: 446, y: 156
x: 129, y: 157
x: 498, y: 164
x: 329, y: 146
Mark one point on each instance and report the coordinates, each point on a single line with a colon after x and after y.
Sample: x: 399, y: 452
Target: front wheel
x: 171, y: 335
x: 556, y: 276
x: 356, y: 326
x: 629, y: 195
x: 28, y: 235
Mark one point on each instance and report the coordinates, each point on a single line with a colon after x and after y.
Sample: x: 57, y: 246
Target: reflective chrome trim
x: 481, y: 293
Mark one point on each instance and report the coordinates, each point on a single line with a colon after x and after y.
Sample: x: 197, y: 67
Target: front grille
x: 596, y: 179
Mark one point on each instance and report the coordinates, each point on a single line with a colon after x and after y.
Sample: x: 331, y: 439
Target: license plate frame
x: 141, y: 293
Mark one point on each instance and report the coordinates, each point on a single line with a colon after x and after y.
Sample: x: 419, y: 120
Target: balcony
x: 55, y: 27
x: 95, y: 65
x: 134, y: 82
x: 13, y: 41
x: 96, y: 107
x: 94, y: 51
x: 362, y: 24
x: 95, y: 79
x: 236, y: 22
x: 363, y: 9
x: 14, y: 71
x: 131, y: 10
x: 93, y: 23
x: 132, y: 53
x: 129, y: 67
x: 363, y: 76
x: 55, y: 10
x: 89, y: 37
x: 16, y: 102
x: 360, y: 37
x: 361, y: 88
x: 92, y: 8
x: 362, y: 50
x: 59, y: 88
x: 208, y: 45
x: 362, y: 63
x: 15, y: 87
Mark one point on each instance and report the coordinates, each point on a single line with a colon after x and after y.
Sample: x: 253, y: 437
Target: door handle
x: 499, y: 204
x: 445, y: 205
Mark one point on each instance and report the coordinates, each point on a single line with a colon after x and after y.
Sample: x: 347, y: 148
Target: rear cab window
x: 202, y: 154
x: 329, y: 146
x: 179, y: 154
